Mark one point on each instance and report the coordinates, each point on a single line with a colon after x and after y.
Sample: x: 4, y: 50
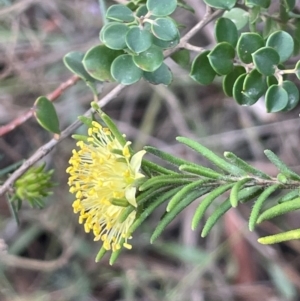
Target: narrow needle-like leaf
x: 253, y: 219
x: 207, y: 201
x: 276, y: 238
x: 234, y: 200
x: 211, y: 156
x: 201, y: 171
x: 279, y: 210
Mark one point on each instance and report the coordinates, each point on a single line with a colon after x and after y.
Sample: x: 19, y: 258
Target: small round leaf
x: 161, y: 8
x: 201, y: 70
x: 120, y: 12
x: 141, y: 11
x: 97, y: 62
x: 114, y: 35
x: 182, y: 58
x: 226, y: 31
x: 238, y: 93
x: 255, y: 85
x: 283, y: 43
x: 238, y: 16
x: 166, y: 44
x: 221, y: 58
x: 162, y: 75
x: 164, y: 29
x: 266, y: 60
x: 149, y: 60
x: 221, y: 4
x: 293, y: 95
x: 247, y: 44
x: 276, y: 99
x: 124, y: 70
x: 45, y: 114
x: 138, y: 40
x: 230, y: 79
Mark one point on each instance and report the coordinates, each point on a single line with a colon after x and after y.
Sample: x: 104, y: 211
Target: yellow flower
x: 103, y: 175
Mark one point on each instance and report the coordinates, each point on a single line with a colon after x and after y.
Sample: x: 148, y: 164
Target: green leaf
x: 149, y: 60
x: 221, y: 58
x: 280, y: 237
x: 162, y: 75
x: 207, y: 201
x: 254, y: 85
x: 253, y: 219
x: 282, y: 167
x: 230, y: 79
x: 289, y: 4
x: 234, y: 200
x: 211, y: 156
x: 185, y: 6
x: 238, y: 16
x: 254, y: 15
x: 266, y: 60
x: 182, y: 58
x: 221, y: 4
x: 238, y: 93
x: 261, y: 3
x: 169, y: 216
x: 201, y: 70
x: 289, y: 196
x: 297, y: 69
x: 141, y: 11
x: 97, y: 62
x: 114, y: 35
x: 248, y: 43
x: 138, y: 40
x: 166, y: 44
x: 164, y: 29
x: 293, y: 95
x: 279, y: 209
x: 226, y: 31
x: 161, y: 8
x: 283, y: 43
x: 201, y: 171
x: 276, y: 99
x: 124, y: 70
x: 45, y: 114
x: 120, y: 12
x: 73, y: 61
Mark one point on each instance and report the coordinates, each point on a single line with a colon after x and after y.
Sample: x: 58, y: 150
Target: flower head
x: 103, y: 176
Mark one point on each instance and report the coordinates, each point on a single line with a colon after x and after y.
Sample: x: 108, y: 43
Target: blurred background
x: 51, y: 258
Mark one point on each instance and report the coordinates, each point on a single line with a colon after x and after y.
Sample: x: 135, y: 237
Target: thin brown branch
x: 51, y: 96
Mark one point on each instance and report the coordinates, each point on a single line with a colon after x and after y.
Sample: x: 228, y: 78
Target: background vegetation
x: 51, y: 258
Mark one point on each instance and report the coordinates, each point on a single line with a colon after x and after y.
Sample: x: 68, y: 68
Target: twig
x: 52, y: 96
x: 46, y: 148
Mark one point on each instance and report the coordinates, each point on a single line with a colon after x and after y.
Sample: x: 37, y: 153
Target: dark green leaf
x: 97, y: 62
x: 238, y: 16
x: 230, y: 79
x: 138, y: 40
x: 297, y: 69
x: 226, y: 31
x: 293, y: 95
x: 221, y: 58
x: 45, y: 114
x: 162, y: 75
x: 201, y: 70
x: 255, y: 85
x: 120, y: 12
x: 165, y: 29
x: 221, y: 4
x: 161, y: 8
x: 276, y: 99
x: 182, y: 58
x: 266, y: 60
x: 248, y: 43
x: 283, y: 43
x: 238, y: 93
x: 114, y: 35
x: 149, y: 60
x: 124, y: 70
